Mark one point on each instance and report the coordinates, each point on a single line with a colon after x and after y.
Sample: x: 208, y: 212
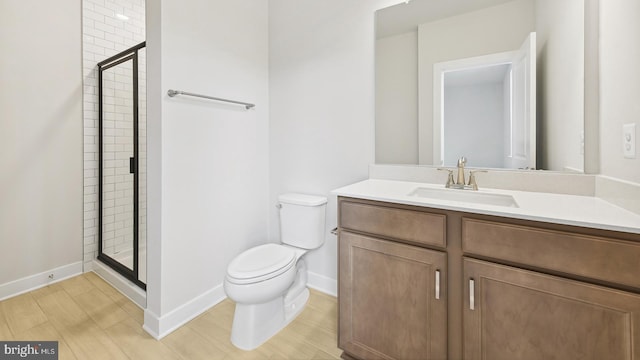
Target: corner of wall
x: 619, y: 192
x: 161, y: 326
x: 154, y: 165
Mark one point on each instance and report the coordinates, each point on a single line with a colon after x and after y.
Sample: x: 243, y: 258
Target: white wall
x: 492, y: 30
x: 396, y: 115
x: 40, y: 137
x: 619, y: 85
x: 560, y: 83
x: 207, y: 161
x: 321, y: 87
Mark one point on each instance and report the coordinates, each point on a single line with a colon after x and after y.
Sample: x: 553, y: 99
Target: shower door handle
x: 132, y: 165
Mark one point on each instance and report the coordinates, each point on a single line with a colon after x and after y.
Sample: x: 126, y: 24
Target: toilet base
x: 293, y: 308
x: 254, y: 324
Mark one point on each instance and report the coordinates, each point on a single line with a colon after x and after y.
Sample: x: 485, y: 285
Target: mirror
x: 422, y: 120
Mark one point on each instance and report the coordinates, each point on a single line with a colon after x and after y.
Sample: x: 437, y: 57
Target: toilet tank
x: 302, y: 220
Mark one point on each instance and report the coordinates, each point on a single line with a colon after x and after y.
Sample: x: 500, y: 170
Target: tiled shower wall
x: 104, y: 35
x: 118, y: 147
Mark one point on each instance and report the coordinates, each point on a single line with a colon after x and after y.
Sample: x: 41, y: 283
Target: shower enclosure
x: 122, y: 163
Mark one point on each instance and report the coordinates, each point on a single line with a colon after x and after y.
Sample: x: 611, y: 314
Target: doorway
x: 486, y: 106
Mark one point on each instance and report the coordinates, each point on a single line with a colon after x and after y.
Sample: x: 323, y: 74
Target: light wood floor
x: 91, y: 320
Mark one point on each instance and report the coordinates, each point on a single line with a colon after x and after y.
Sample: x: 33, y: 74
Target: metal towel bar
x: 173, y: 93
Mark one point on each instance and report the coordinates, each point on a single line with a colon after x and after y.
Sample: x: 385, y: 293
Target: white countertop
x: 586, y: 211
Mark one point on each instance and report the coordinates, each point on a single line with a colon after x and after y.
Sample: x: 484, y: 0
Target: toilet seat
x: 260, y: 263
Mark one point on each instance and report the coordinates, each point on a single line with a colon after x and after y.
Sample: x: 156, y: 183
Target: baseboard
x: 151, y: 324
x: 126, y: 287
x: 87, y: 266
x: 161, y: 326
x: 37, y: 281
x: 322, y: 283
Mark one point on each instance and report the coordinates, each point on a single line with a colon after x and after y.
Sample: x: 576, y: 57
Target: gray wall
x: 397, y: 99
x: 40, y: 137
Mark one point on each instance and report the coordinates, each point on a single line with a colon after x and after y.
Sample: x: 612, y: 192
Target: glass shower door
x: 119, y: 166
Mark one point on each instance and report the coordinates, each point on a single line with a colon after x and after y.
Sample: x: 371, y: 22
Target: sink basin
x: 466, y: 196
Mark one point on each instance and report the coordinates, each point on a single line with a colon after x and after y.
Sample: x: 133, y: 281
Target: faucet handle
x: 450, y: 180
x: 462, y: 161
x: 472, y: 178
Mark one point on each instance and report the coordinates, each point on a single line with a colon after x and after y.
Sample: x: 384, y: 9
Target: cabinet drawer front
x: 594, y: 257
x: 408, y: 225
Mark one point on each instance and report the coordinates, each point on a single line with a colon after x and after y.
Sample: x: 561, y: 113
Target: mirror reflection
x: 453, y: 79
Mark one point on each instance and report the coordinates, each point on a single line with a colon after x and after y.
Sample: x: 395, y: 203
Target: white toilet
x: 269, y: 282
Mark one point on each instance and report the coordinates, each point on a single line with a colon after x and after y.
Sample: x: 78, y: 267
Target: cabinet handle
x: 472, y: 295
x: 437, y: 284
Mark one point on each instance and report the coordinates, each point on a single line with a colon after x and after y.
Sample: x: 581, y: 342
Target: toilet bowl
x: 260, y: 274
x: 268, y: 282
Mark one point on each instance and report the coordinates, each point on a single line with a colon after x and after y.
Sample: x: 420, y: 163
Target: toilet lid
x: 261, y: 263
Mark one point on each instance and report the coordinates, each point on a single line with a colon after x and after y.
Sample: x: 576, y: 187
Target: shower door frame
x: 123, y: 56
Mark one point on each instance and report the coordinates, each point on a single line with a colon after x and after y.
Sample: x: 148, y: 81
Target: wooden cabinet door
x: 514, y: 314
x: 391, y: 300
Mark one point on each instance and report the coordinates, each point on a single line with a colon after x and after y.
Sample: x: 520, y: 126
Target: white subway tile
x: 93, y: 15
x: 87, y: 5
x: 90, y: 151
x: 106, y: 44
x: 99, y: 9
x: 113, y: 21
x: 87, y: 22
x: 116, y: 39
x: 94, y: 48
x: 114, y: 6
x: 92, y: 164
x: 92, y: 31
x: 89, y: 206
x: 105, y: 27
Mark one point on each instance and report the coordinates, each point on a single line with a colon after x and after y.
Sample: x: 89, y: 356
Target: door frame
x: 526, y: 55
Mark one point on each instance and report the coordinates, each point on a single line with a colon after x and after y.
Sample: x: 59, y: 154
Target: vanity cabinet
x: 392, y: 295
x: 422, y: 283
x: 511, y: 313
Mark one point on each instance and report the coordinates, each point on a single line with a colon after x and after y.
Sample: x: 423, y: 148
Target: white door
x: 522, y: 140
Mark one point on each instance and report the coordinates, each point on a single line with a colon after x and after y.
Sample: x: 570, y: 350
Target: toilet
x: 269, y: 282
